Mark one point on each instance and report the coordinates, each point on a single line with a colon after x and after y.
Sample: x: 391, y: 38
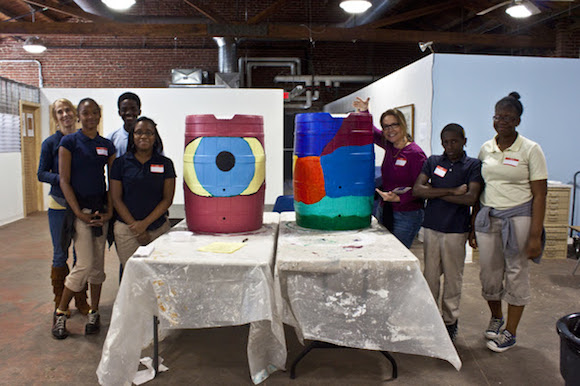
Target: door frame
x: 37, y: 147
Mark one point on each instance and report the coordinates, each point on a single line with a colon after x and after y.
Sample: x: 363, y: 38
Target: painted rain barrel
x: 333, y: 168
x: 224, y: 173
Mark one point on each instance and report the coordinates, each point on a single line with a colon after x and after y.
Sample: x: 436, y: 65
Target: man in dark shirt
x: 451, y: 182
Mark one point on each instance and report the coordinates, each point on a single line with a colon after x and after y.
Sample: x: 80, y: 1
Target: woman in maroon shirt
x: 401, y: 167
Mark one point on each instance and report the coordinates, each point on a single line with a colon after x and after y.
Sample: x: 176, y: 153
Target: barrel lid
x: 327, y: 117
x: 212, y: 119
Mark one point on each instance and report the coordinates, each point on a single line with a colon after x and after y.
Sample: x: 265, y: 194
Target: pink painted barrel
x: 224, y: 173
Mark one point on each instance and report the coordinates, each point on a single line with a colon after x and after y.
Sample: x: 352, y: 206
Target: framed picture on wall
x: 409, y: 113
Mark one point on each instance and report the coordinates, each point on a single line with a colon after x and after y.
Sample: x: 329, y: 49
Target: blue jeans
x: 406, y: 225
x: 55, y: 221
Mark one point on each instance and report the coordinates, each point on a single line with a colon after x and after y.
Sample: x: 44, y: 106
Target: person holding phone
x: 400, y: 168
x: 83, y: 157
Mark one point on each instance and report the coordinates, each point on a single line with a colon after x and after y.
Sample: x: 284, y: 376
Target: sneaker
x: 503, y: 342
x: 452, y: 330
x: 94, y: 323
x: 494, y: 328
x: 59, y: 326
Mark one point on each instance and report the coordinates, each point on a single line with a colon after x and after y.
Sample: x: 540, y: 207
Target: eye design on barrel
x: 224, y: 166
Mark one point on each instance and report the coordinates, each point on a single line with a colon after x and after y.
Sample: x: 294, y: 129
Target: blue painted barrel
x: 334, y: 164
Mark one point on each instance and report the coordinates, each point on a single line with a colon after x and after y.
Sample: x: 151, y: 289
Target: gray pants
x: 504, y: 277
x: 445, y: 255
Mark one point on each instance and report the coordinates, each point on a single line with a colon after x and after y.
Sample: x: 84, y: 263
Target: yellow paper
x: 220, y: 247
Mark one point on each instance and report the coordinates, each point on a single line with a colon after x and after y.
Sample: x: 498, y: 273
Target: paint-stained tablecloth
x: 360, y: 289
x: 188, y: 288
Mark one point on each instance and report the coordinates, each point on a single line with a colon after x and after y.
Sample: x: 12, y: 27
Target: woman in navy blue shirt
x: 83, y: 157
x: 142, y: 188
x: 65, y: 115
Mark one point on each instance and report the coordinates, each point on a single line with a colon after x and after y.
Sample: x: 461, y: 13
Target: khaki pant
x: 90, y: 250
x: 445, y: 255
x: 494, y: 266
x: 126, y: 241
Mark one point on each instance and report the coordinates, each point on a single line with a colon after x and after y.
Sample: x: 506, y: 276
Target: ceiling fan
x: 529, y: 5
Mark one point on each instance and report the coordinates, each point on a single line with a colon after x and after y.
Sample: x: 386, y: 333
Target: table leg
x: 318, y: 344
x: 155, y: 345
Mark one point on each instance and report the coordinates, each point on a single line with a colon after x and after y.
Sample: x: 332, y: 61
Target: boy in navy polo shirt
x: 451, y: 182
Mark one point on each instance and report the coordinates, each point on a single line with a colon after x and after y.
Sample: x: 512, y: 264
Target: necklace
x: 399, y: 151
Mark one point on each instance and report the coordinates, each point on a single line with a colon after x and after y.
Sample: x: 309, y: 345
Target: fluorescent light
x: 34, y: 45
x: 119, y: 5
x: 518, y: 10
x: 355, y: 6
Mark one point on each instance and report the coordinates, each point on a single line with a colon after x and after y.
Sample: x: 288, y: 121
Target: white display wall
x: 169, y: 107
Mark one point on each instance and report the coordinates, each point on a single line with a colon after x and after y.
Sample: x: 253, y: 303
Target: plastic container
x: 334, y: 164
x: 568, y: 328
x: 224, y: 173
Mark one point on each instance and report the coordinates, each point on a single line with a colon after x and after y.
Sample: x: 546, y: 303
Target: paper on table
x: 221, y: 247
x: 144, y: 251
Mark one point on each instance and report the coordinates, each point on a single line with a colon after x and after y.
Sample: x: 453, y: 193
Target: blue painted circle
x: 224, y: 183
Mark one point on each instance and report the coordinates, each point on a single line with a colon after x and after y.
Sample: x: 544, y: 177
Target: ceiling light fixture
x: 355, y: 6
x: 119, y: 5
x: 423, y: 46
x: 34, y: 45
x: 518, y: 10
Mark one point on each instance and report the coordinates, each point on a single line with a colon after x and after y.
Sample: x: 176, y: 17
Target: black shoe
x: 59, y: 326
x: 94, y: 323
x: 452, y: 330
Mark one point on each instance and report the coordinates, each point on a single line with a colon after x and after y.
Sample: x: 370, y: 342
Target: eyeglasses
x: 504, y: 118
x: 146, y: 133
x: 391, y: 126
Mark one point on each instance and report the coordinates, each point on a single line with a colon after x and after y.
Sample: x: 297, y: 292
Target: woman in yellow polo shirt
x: 509, y: 224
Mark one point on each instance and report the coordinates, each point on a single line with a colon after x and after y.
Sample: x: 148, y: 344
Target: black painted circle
x: 225, y: 161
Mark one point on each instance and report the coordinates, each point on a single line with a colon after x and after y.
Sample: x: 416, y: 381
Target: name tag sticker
x: 440, y: 171
x: 511, y: 161
x: 157, y: 168
x: 400, y: 162
x: 102, y: 151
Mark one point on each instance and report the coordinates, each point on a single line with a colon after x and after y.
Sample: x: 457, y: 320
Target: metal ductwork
x: 228, y: 74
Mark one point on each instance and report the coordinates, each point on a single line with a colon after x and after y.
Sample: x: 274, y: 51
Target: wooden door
x: 30, y: 153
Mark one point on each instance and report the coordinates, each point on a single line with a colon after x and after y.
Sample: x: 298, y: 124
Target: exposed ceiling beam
x: 66, y: 10
x: 274, y: 31
x: 267, y: 12
x: 414, y: 14
x: 206, y: 11
x: 8, y: 14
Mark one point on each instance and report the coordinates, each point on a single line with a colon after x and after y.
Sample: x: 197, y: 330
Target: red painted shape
x: 308, y: 180
x: 356, y: 130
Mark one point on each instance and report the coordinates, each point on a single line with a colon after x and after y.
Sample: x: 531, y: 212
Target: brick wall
x: 567, y: 40
x: 132, y: 63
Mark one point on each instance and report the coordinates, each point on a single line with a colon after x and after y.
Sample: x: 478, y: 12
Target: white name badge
x: 102, y: 151
x: 157, y: 168
x: 400, y: 162
x: 440, y: 171
x: 511, y: 161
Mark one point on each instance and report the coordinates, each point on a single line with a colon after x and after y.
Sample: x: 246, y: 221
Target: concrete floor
x: 30, y: 356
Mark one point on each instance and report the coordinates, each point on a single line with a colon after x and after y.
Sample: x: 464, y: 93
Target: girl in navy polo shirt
x: 83, y: 157
x: 142, y: 188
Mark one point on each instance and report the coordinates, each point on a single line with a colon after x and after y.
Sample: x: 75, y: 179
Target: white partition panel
x: 169, y: 107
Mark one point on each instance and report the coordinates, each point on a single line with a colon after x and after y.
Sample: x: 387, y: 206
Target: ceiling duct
x: 228, y: 74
